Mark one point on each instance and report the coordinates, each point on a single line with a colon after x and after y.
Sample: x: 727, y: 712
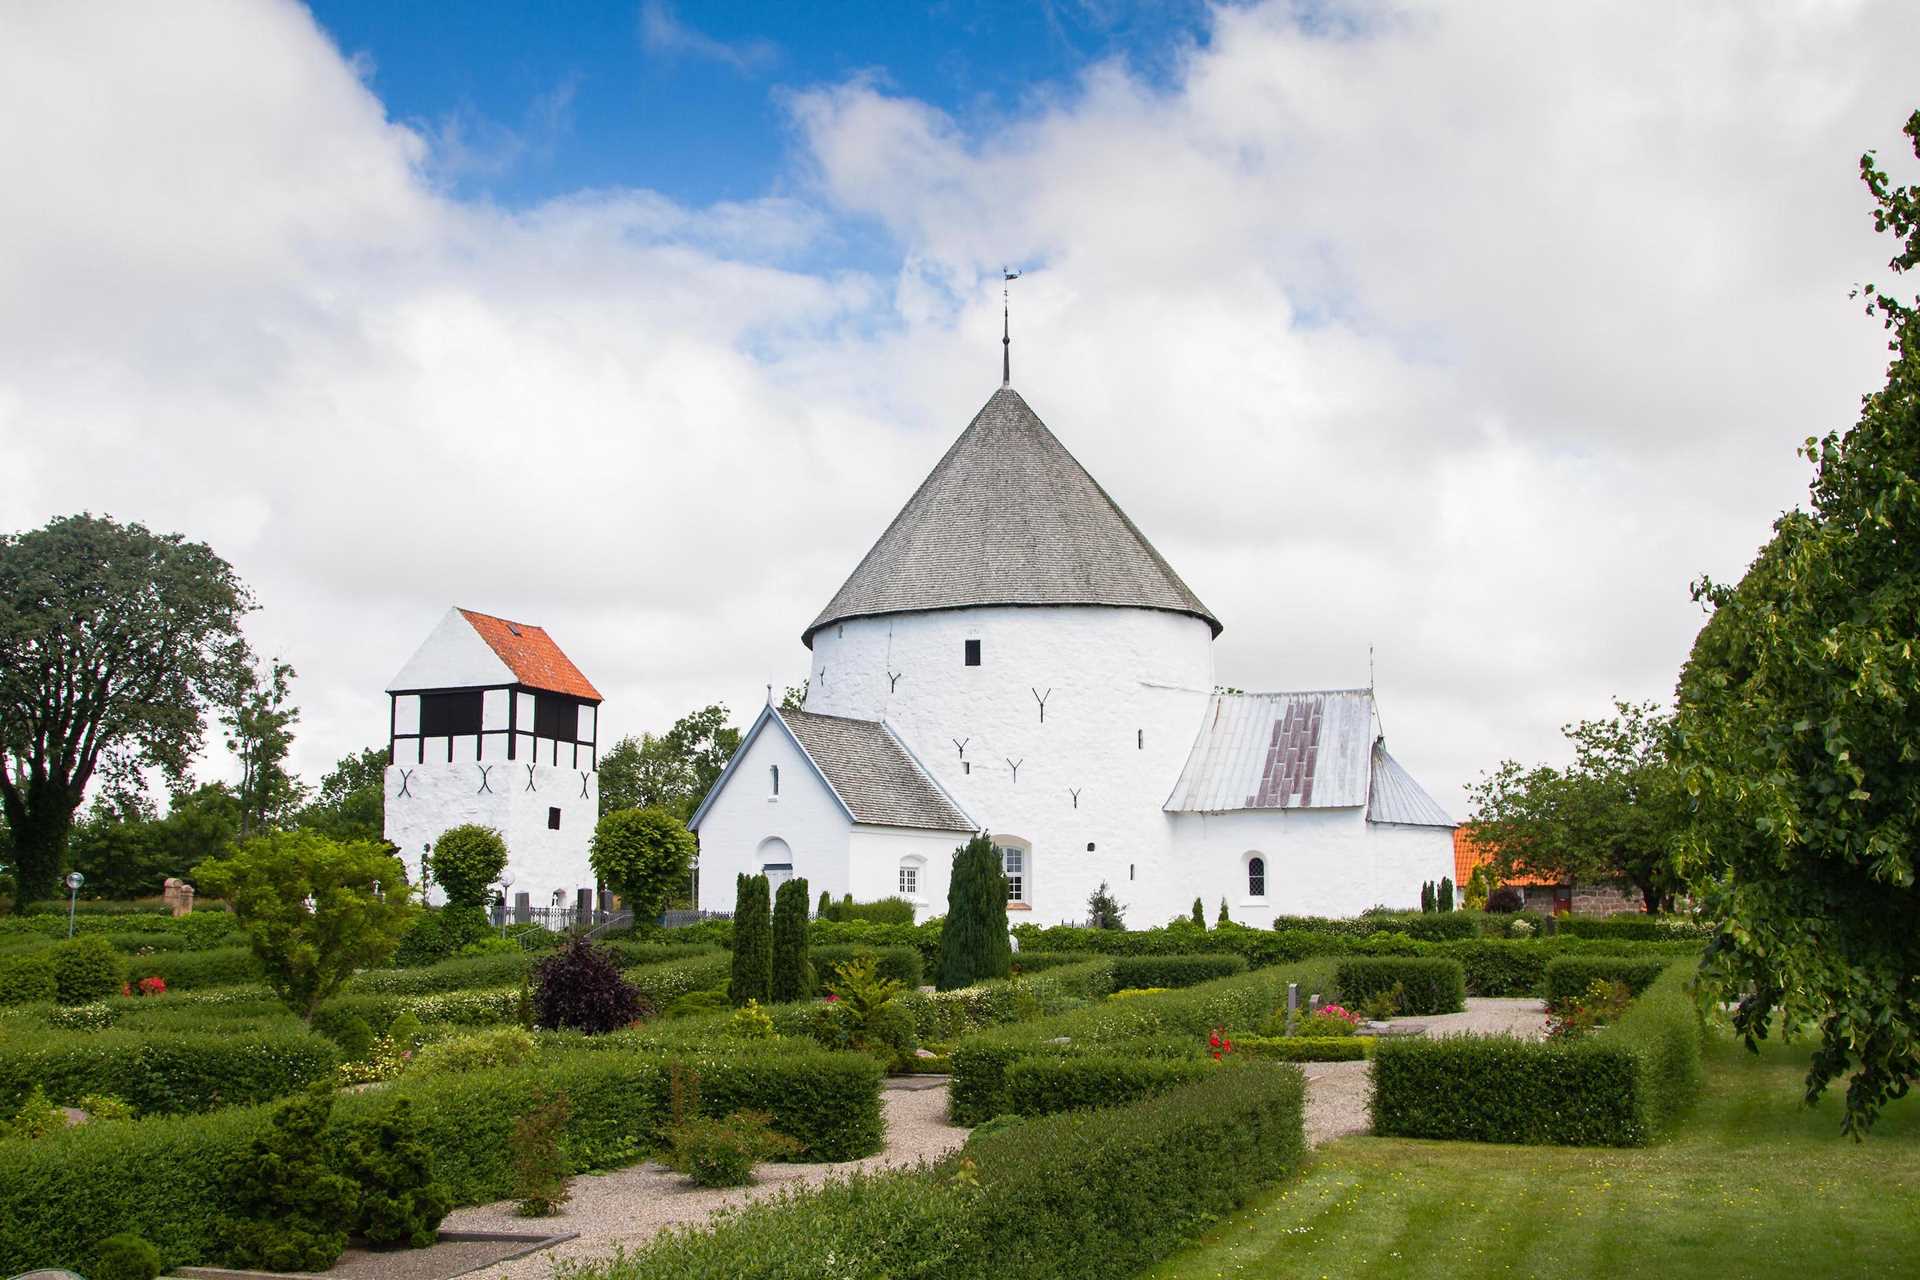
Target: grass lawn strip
x: 1754, y: 1184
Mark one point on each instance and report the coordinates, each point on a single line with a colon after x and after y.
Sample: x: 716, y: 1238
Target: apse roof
x: 1009, y: 517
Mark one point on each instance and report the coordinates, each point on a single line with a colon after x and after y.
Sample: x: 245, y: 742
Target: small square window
x: 553, y: 817
x: 909, y: 880
x: 973, y: 653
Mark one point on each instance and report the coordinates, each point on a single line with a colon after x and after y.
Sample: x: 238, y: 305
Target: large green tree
x: 645, y: 856
x: 673, y: 770
x: 1614, y: 814
x: 315, y: 910
x: 259, y: 717
x: 113, y: 642
x: 352, y: 801
x: 1798, y: 732
x: 126, y: 852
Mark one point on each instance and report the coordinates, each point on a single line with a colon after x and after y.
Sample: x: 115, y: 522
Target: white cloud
x: 662, y: 32
x: 1470, y: 333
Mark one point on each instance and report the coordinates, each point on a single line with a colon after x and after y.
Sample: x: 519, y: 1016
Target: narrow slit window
x: 773, y: 772
x: 973, y: 653
x: 1140, y: 739
x: 553, y: 817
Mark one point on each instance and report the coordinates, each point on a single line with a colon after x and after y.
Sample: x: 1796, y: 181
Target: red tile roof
x: 532, y: 656
x: 1470, y: 852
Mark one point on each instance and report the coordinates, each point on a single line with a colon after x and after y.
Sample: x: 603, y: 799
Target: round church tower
x: 1027, y: 643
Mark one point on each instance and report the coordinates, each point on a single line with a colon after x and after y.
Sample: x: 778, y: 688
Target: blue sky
x: 543, y: 99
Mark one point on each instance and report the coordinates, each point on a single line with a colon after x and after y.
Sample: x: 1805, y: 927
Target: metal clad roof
x: 874, y: 774
x: 1009, y: 517
x: 1396, y: 797
x: 1309, y: 750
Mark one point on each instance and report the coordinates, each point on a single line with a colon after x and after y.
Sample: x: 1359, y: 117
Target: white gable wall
x: 452, y: 657
x: 877, y: 853
x: 744, y: 815
x: 440, y: 796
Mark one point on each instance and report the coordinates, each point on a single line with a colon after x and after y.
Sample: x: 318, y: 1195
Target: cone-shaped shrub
x: 973, y: 941
x: 1199, y: 913
x: 792, y: 971
x: 1223, y: 913
x: 1445, y: 900
x: 752, y: 942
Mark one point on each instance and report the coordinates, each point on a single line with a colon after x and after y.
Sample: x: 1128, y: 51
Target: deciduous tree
x: 1799, y: 735
x: 259, y: 716
x: 466, y: 862
x: 352, y: 800
x: 113, y: 642
x: 645, y: 856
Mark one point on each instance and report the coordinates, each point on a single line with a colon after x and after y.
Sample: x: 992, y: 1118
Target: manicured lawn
x: 1753, y: 1185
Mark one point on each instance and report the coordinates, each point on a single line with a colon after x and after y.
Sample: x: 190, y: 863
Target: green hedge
x: 1429, y: 984
x: 1498, y: 966
x: 1259, y: 947
x: 163, y: 1073
x: 1041, y: 1086
x: 1067, y: 1197
x: 1617, y: 1088
x: 902, y: 964
x: 163, y: 1178
x: 1030, y: 962
x: 662, y: 984
x: 1174, y: 971
x: 1306, y: 1048
x: 1634, y: 927
x: 27, y: 978
x: 980, y: 1062
x: 943, y: 1016
x: 206, y: 928
x: 193, y: 970
x: 1568, y: 977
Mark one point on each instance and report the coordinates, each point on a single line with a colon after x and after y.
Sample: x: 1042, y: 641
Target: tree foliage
x: 671, y: 771
x: 973, y: 939
x: 645, y: 856
x: 127, y: 853
x: 259, y: 716
x: 309, y: 951
x: 466, y: 862
x: 352, y: 801
x: 752, y: 942
x: 1614, y: 814
x: 1104, y: 910
x: 113, y: 641
x: 793, y: 976
x: 290, y: 1209
x: 580, y: 988
x: 1798, y: 733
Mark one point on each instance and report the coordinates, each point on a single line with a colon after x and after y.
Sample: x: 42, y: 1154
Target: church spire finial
x: 1006, y: 329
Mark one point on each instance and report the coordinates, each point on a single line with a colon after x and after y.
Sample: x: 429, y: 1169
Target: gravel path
x: 1338, y: 1092
x: 627, y: 1206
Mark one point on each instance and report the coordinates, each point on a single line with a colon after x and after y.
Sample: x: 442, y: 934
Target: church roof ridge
x: 1009, y: 516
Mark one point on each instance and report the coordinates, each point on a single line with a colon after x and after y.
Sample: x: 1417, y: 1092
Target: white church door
x: 776, y: 862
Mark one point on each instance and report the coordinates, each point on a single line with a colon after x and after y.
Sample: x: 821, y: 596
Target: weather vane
x: 1006, y: 334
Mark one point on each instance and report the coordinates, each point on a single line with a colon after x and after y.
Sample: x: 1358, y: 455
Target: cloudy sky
x: 1470, y: 333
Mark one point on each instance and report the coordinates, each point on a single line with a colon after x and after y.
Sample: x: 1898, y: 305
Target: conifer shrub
x: 1199, y: 914
x: 290, y: 1211
x: 580, y: 988
x: 974, y: 942
x: 900, y: 964
x: 539, y: 1161
x: 1444, y: 901
x: 400, y: 1203
x: 126, y: 1257
x: 752, y: 942
x: 793, y: 975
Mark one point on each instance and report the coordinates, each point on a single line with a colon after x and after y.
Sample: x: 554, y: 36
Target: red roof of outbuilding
x: 532, y: 656
x: 1469, y: 852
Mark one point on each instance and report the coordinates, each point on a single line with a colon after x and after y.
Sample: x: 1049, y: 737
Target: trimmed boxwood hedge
x: 163, y: 1178
x: 164, y: 1072
x: 902, y: 964
x: 980, y: 1062
x: 1041, y: 1086
x: 1306, y: 1048
x: 1174, y: 971
x: 943, y: 1016
x: 27, y: 978
x: 1429, y: 984
x: 193, y: 970
x: 1616, y: 1088
x: 1568, y: 977
x: 1067, y: 1197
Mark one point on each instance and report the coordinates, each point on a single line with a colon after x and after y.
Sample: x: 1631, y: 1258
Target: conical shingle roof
x: 1009, y: 517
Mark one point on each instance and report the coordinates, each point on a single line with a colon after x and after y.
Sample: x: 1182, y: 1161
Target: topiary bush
x: 400, y: 1203
x: 973, y: 937
x: 290, y: 1211
x: 644, y: 855
x: 1429, y: 985
x: 126, y: 1257
x: 1568, y: 977
x: 792, y: 970
x: 1041, y: 1086
x: 86, y: 969
x: 466, y: 862
x: 724, y: 1153
x: 27, y: 979
x: 481, y: 1051
x: 1347, y: 1048
x: 580, y: 988
x: 752, y: 977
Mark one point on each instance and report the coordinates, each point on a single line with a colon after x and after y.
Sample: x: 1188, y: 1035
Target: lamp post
x: 506, y: 883
x: 74, y: 881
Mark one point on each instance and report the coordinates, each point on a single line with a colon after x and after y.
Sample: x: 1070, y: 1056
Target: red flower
x: 832, y: 998
x: 153, y: 986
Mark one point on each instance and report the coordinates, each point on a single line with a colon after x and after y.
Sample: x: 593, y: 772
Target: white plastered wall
x: 1125, y: 689
x: 745, y: 814
x: 441, y: 795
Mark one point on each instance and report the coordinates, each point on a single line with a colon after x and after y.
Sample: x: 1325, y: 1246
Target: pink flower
x: 832, y: 998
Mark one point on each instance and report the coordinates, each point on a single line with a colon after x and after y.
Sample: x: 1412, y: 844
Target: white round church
x: 1013, y: 656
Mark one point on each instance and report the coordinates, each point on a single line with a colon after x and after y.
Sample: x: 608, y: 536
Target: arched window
x: 775, y: 859
x: 1256, y: 876
x: 1016, y: 860
x: 912, y: 876
x: 773, y: 771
